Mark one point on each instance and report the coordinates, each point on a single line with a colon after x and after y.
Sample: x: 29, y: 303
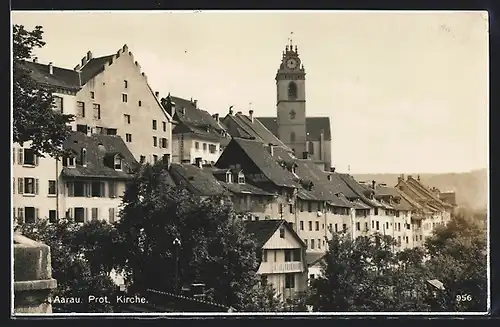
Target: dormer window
x: 84, y: 157
x: 241, y: 178
x: 229, y: 177
x: 70, y: 162
x: 118, y: 163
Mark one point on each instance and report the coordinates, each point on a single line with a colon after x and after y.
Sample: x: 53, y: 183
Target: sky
x: 405, y: 91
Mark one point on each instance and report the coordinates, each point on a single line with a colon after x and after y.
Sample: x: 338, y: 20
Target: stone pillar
x: 33, y: 280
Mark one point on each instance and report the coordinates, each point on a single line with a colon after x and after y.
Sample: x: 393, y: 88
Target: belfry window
x: 292, y: 91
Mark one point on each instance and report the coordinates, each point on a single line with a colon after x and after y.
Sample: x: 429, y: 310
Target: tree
x: 214, y: 247
x: 458, y: 259
x: 72, y: 263
x: 34, y: 119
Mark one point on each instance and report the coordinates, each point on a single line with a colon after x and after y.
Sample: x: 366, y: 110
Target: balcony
x: 280, y: 267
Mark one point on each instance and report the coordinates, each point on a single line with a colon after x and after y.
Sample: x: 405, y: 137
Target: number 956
x: 464, y: 298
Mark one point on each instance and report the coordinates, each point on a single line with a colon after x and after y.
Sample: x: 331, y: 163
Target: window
x: 164, y: 143
x: 301, y: 225
x: 305, y: 242
x: 29, y: 157
x: 312, y: 244
x: 196, y: 145
x: 263, y: 279
x: 30, y: 215
x: 275, y: 255
x: 82, y: 128
x: 84, y: 157
x: 310, y: 148
x: 229, y: 178
x: 28, y: 185
x: 204, y: 147
x: 319, y: 243
x: 290, y: 208
x: 292, y: 91
x: 58, y: 104
x: 288, y: 255
x: 124, y: 97
x: 139, y: 103
x: 317, y: 225
x: 127, y: 118
x: 118, y: 163
x: 80, y: 215
x: 290, y: 281
x: 80, y: 107
x: 292, y: 137
x: 98, y: 130
x: 406, y: 239
x: 128, y: 138
x: 377, y: 224
x: 344, y: 228
x: 241, y: 178
x: 97, y: 111
x: 282, y: 232
x: 155, y: 141
x: 154, y: 124
x: 111, y: 217
x: 97, y: 189
x: 95, y: 213
x: 52, y: 216
x: 310, y: 226
x: 142, y: 159
x: 77, y: 189
x: 373, y: 224
x: 358, y: 226
x: 212, y: 148
x: 399, y: 240
x: 366, y: 226
x: 309, y: 206
x: 112, y: 189
x: 164, y: 125
x: 397, y: 213
x: 52, y: 188
x: 125, y: 83
x: 155, y: 158
x: 311, y: 276
x: 92, y: 95
x: 336, y: 228
x: 376, y: 211
x: 330, y: 228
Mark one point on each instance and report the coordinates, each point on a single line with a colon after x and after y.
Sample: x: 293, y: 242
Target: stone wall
x: 33, y: 280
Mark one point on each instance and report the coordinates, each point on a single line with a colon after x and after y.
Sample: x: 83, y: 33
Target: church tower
x: 291, y: 101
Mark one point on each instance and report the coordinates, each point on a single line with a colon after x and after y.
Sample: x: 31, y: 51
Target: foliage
x: 365, y: 275
x: 73, y: 261
x: 214, y: 249
x: 34, y: 119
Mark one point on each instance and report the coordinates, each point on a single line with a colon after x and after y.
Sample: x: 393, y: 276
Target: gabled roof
x: 426, y: 192
x: 195, y: 180
x: 257, y: 152
x: 313, y: 258
x: 60, y: 78
x: 385, y: 191
x: 240, y: 125
x: 262, y: 230
x: 340, y: 186
x: 98, y: 147
x: 314, y: 126
x: 197, y: 121
x: 359, y: 190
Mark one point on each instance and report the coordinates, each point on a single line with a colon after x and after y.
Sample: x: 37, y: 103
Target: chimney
x: 198, y: 162
x: 250, y: 114
x: 305, y: 155
x: 84, y: 61
x: 35, y: 59
x: 77, y: 68
x: 157, y: 94
x: 231, y: 110
x: 332, y: 169
x: 239, y: 113
x: 216, y: 117
x: 373, y: 184
x: 89, y: 56
x: 271, y: 149
x: 166, y: 160
x: 195, y: 102
x: 51, y: 68
x: 418, y: 178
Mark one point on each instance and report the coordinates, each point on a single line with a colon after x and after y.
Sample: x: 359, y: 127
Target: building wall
x: 191, y: 152
x: 312, y: 225
x: 108, y: 88
x: 319, y: 153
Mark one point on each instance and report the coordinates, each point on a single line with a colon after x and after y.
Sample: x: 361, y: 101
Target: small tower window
x: 292, y: 137
x: 292, y: 91
x: 84, y: 157
x: 118, y: 162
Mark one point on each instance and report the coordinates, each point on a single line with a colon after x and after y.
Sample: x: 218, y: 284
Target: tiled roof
x: 62, y: 78
x: 195, y: 180
x: 425, y: 191
x: 386, y: 191
x: 313, y: 257
x: 98, y: 148
x: 340, y: 186
x: 262, y: 230
x: 198, y: 121
x: 314, y: 126
x: 257, y: 152
x: 94, y: 67
x: 240, y: 125
x: 235, y: 187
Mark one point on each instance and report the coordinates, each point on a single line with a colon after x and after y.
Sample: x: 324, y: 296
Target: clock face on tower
x: 291, y: 63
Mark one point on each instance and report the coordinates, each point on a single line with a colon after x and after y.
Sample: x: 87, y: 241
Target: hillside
x: 471, y: 187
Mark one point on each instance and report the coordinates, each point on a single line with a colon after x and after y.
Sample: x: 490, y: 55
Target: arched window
x: 292, y: 137
x: 84, y: 157
x: 292, y: 91
x: 310, y: 148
